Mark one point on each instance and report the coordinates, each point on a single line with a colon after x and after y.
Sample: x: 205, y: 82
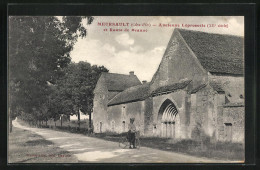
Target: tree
x: 39, y: 48
x: 59, y: 103
x: 76, y: 88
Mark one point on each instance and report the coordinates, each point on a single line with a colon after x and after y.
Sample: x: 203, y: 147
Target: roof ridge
x: 114, y: 97
x: 117, y: 74
x: 209, y: 33
x: 172, y: 87
x: 198, y: 88
x: 139, y: 85
x: 234, y: 104
x: 127, y: 91
x: 119, y: 82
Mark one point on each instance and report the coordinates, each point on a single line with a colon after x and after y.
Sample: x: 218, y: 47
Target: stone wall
x: 100, y: 106
x: 121, y: 114
x: 199, y: 115
x: 232, y: 85
x: 228, y: 120
x: 181, y: 124
x: 148, y: 117
x: 235, y: 117
x: 206, y: 112
x: 136, y: 110
x: 178, y: 63
x: 116, y: 114
x: 193, y: 114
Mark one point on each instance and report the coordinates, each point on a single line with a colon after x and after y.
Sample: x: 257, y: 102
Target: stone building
x: 108, y: 86
x: 197, y: 90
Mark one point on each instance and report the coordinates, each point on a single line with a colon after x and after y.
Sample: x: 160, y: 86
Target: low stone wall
x: 231, y: 123
x: 118, y: 117
x: 235, y: 116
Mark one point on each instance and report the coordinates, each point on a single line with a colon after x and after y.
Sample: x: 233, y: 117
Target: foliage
x: 76, y: 87
x: 39, y: 48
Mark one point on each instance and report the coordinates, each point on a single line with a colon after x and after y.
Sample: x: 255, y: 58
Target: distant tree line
x: 43, y: 83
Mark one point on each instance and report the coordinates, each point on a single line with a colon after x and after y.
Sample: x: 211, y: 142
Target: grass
x: 219, y: 150
x: 27, y: 147
x: 67, y: 126
x: 72, y: 124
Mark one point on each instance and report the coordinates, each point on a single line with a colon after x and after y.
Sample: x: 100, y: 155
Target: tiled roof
x: 217, y: 53
x: 196, y: 89
x: 241, y: 104
x: 131, y: 94
x: 112, y: 94
x: 172, y: 87
x: 119, y: 82
x: 141, y: 92
x: 216, y: 86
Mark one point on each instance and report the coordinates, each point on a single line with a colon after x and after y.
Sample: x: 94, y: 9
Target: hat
x: 132, y: 119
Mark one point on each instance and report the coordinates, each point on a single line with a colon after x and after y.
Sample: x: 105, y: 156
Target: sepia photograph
x: 126, y: 89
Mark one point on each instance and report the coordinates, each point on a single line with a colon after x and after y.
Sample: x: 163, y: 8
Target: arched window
x: 167, y: 112
x: 167, y: 116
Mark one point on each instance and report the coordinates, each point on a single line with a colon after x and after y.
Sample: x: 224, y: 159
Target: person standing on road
x: 131, y: 133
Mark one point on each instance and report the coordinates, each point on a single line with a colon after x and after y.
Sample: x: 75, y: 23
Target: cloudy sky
x: 140, y: 52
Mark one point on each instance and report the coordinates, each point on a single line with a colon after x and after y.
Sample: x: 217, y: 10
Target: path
x: 89, y: 149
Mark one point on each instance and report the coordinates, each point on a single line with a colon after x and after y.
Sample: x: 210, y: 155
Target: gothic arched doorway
x: 167, y: 119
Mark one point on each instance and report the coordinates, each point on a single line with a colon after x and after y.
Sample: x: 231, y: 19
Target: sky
x: 141, y: 52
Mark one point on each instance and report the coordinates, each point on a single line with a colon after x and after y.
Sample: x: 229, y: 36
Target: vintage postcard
x: 126, y: 89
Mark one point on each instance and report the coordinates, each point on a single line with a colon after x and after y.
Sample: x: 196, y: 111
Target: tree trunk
x: 89, y: 123
x: 79, y: 119
x: 69, y: 123
x: 46, y: 122
x: 10, y: 123
x: 55, y: 123
x: 61, y: 121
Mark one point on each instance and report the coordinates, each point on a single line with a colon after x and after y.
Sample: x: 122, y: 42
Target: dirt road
x: 88, y: 149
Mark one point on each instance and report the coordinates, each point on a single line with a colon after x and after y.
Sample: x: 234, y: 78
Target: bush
x: 206, y: 139
x: 45, y: 126
x: 112, y: 134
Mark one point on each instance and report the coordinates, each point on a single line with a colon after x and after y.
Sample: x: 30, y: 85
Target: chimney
x: 144, y: 81
x: 131, y: 73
